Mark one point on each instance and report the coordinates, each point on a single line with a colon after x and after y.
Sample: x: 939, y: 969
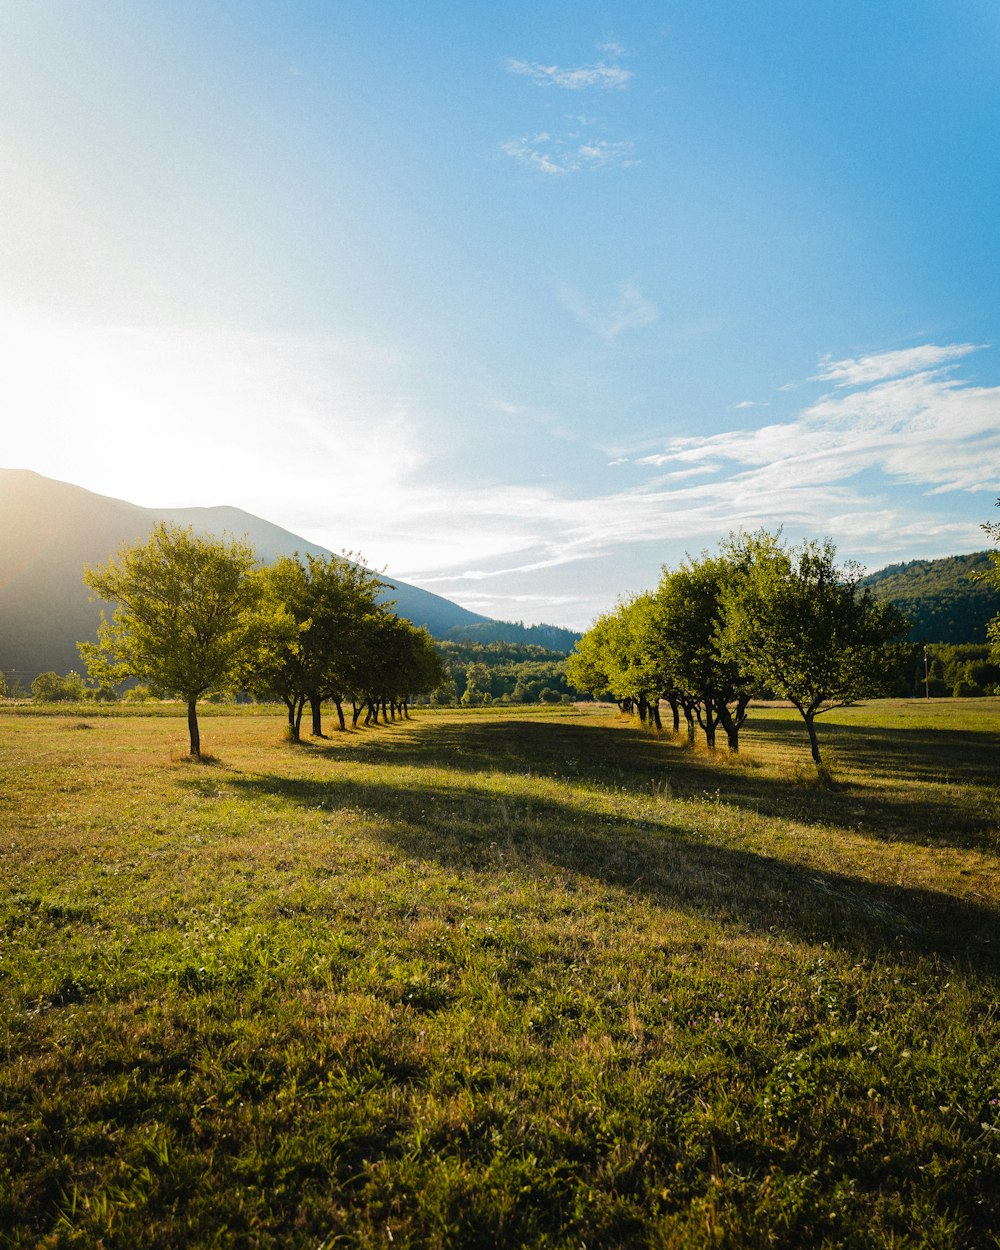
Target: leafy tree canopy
x: 188, y: 617
x: 803, y: 627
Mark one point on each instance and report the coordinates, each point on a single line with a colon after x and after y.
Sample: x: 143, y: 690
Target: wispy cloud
x: 601, y: 75
x: 571, y: 151
x: 630, y: 310
x: 552, y: 154
x: 812, y: 474
x: 883, y: 365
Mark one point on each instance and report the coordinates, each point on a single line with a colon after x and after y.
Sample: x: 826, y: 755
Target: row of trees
x: 759, y: 618
x: 196, y: 615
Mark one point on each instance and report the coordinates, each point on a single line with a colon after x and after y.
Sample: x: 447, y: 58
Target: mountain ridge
x: 49, y: 530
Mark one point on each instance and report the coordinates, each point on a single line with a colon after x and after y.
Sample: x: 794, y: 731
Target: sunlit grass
x: 518, y: 978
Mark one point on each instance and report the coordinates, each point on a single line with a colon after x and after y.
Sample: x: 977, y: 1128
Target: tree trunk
x: 193, y: 732
x: 356, y: 709
x: 654, y: 707
x: 810, y: 720
x: 708, y: 718
x: 675, y: 712
x: 732, y: 727
x: 316, y: 705
x: 340, y: 712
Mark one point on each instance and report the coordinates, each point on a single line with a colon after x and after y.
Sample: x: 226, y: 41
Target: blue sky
x: 521, y: 302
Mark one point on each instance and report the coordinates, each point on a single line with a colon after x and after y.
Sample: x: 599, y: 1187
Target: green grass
x: 500, y: 979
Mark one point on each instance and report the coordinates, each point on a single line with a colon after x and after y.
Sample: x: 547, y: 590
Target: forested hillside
x: 941, y: 597
x: 550, y: 637
x: 504, y: 672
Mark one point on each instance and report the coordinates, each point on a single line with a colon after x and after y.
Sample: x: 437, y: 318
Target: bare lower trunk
x: 316, y: 707
x: 193, y: 732
x: 809, y: 718
x: 708, y: 718
x: 340, y: 712
x: 731, y: 724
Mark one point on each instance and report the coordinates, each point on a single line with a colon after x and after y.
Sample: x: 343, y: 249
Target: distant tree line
x: 551, y: 638
x: 502, y: 673
x: 196, y: 616
x: 965, y: 670
x: 759, y: 618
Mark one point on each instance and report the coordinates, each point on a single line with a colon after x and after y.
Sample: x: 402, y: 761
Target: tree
x: 477, y: 685
x: 188, y: 618
x: 397, y: 661
x: 803, y: 628
x: 51, y: 688
x: 328, y: 598
x: 686, y: 639
x: 587, y: 666
x: 993, y: 577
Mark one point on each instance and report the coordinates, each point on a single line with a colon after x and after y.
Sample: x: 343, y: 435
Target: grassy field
x: 500, y: 979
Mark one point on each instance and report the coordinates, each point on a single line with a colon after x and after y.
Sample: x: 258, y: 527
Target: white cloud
x: 630, y: 310
x: 811, y: 474
x: 551, y: 154
x: 883, y: 365
x: 600, y: 75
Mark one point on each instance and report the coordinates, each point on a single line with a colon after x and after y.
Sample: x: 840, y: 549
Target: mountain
x: 49, y: 530
x: 941, y: 597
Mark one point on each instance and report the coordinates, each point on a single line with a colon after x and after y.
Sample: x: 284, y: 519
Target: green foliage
x: 972, y: 665
x: 802, y: 627
x: 51, y: 688
x: 991, y: 578
x: 950, y: 600
x: 189, y: 616
x: 617, y: 658
x: 688, y: 630
x: 514, y: 672
x: 327, y: 601
x: 547, y: 637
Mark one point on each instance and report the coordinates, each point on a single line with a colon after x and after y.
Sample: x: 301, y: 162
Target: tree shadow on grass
x: 469, y: 829
x: 621, y: 757
x: 947, y: 756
